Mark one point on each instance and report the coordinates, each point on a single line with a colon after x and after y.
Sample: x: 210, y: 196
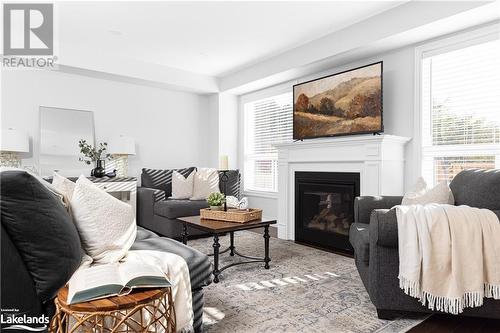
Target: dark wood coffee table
x: 216, y: 228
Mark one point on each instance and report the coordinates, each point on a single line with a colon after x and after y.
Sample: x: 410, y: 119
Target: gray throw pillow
x: 42, y: 231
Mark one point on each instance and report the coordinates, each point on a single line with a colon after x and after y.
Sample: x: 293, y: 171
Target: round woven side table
x: 148, y: 310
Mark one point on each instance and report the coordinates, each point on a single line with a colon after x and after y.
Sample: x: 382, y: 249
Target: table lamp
x: 120, y: 148
x: 13, y: 142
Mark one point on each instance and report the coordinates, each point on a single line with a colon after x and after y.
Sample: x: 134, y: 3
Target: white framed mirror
x: 60, y: 131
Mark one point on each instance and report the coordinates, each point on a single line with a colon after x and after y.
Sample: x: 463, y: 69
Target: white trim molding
x: 261, y: 194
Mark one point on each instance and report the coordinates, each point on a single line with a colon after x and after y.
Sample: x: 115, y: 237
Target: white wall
x: 222, y: 124
x: 212, y: 129
x: 170, y: 127
x: 228, y: 128
x: 398, y: 104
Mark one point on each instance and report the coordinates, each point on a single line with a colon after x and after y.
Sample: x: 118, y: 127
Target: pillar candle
x: 223, y: 163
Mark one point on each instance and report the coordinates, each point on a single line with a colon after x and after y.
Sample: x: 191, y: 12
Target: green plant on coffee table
x: 216, y: 199
x: 93, y: 154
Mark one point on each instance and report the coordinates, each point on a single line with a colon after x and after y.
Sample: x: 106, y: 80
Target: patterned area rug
x: 306, y: 290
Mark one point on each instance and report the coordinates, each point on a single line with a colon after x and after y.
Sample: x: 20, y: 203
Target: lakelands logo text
x: 23, y: 322
x: 28, y: 35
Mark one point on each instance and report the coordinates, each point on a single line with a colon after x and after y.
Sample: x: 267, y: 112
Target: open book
x: 100, y: 281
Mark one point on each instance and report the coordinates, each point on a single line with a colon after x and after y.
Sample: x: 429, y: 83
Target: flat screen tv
x: 344, y: 103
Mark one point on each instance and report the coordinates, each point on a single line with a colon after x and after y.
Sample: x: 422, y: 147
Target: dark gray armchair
x: 374, y: 237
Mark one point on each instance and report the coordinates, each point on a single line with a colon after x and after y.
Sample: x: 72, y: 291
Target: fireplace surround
x: 379, y: 161
x: 324, y: 208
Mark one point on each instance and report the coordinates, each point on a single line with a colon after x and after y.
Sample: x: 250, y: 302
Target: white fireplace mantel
x: 379, y: 159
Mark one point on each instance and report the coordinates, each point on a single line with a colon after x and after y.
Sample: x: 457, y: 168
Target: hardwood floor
x: 452, y: 324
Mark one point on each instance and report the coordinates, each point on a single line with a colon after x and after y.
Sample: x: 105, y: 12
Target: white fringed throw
x: 449, y: 256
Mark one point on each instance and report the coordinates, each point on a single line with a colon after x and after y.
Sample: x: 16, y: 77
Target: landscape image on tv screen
x: 345, y: 103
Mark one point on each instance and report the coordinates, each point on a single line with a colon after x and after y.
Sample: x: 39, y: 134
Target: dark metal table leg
x: 216, y: 247
x: 184, y: 234
x: 266, y: 247
x: 231, y: 246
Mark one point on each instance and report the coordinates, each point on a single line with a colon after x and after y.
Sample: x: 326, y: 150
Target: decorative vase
x: 215, y: 207
x: 98, y: 171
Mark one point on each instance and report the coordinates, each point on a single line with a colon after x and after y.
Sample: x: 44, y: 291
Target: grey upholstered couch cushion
x: 363, y: 206
x: 172, y: 208
x: 360, y: 240
x: 477, y: 188
x: 200, y: 268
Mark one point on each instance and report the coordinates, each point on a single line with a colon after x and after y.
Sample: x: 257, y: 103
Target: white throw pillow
x: 63, y: 185
x: 439, y: 194
x: 106, y: 225
x: 418, y: 189
x: 206, y: 181
x: 182, y: 187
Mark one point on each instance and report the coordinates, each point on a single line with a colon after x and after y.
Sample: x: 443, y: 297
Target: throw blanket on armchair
x: 449, y: 256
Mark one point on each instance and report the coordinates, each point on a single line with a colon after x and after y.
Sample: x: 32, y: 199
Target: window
x: 266, y: 122
x: 460, y: 103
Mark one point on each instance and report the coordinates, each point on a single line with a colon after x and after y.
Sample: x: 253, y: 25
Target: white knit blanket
x: 449, y: 256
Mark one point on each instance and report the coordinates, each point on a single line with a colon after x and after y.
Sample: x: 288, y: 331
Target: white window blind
x: 460, y: 100
x: 267, y: 122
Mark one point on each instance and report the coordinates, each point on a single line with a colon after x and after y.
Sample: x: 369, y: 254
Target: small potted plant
x: 95, y: 155
x: 216, y: 200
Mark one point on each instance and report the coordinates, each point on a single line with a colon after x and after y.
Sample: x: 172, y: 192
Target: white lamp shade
x: 122, y: 145
x: 15, y: 140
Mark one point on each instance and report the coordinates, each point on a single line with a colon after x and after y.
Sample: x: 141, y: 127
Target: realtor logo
x: 12, y: 319
x: 28, y: 29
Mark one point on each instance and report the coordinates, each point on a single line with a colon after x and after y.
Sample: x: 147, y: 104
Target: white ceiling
x: 210, y: 38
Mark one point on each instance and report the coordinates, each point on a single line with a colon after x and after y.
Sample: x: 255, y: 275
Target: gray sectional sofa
x: 41, y: 248
x: 374, y: 237
x: 156, y: 212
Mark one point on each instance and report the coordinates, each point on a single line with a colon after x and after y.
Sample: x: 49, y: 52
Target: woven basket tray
x: 232, y: 215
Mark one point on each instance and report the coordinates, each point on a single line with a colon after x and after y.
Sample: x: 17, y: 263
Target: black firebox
x: 324, y: 208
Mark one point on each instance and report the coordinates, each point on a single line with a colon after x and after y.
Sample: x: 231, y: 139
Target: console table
x: 124, y: 189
